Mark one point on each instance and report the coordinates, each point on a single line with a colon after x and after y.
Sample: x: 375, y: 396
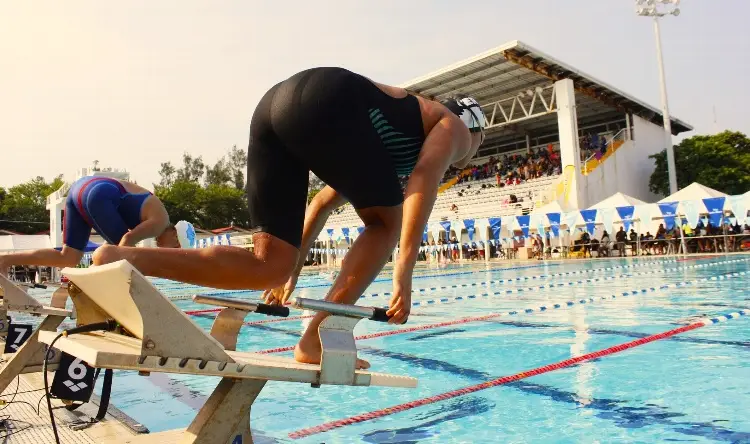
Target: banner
x: 495, y: 225
x: 480, y: 227
x: 424, y: 234
x: 469, y: 224
x: 435, y: 229
x: 626, y: 215
x: 345, y: 232
x: 523, y: 222
x: 330, y: 232
x: 447, y: 227
x: 715, y: 207
x: 669, y: 211
x: 554, y: 222
x: 692, y: 212
x: 589, y: 216
x: 608, y: 219
x: 570, y: 220
x: 643, y: 213
x: 739, y: 206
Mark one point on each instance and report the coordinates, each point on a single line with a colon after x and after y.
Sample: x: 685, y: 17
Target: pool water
x: 694, y: 387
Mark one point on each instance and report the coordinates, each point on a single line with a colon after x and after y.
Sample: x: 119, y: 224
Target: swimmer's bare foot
x: 310, y: 354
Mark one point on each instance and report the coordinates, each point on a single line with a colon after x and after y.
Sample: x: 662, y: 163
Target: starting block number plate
x: 74, y: 379
x: 17, y: 335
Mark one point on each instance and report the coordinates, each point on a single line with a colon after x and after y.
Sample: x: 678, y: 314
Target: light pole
x: 649, y: 8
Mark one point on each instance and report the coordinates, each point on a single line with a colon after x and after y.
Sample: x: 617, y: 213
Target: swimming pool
x: 692, y: 387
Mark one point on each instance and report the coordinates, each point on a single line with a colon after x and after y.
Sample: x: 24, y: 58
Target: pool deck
x: 26, y: 427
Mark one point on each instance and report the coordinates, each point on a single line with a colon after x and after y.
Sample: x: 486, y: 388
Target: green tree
x: 182, y: 200
x: 720, y: 161
x: 219, y: 174
x: 192, y: 168
x: 220, y: 201
x: 26, y: 205
x: 223, y: 206
x: 314, y: 185
x: 167, y: 173
x: 237, y: 162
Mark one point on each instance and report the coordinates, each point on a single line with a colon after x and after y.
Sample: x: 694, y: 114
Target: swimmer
x: 123, y: 213
x: 358, y: 136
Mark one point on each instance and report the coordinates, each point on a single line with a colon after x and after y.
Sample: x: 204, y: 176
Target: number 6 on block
x: 74, y: 379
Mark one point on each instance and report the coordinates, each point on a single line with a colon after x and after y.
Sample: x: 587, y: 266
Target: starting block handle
x: 256, y: 307
x: 352, y: 311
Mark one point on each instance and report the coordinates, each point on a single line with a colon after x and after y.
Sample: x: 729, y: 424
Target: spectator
x: 621, y: 237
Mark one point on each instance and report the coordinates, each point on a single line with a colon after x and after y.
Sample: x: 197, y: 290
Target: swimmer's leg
x: 234, y: 268
x: 316, y: 216
x: 368, y: 255
x: 101, y: 202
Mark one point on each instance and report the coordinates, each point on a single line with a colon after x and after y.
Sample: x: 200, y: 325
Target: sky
x: 137, y: 83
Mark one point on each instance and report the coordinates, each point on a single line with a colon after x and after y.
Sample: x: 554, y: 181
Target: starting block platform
x: 22, y: 352
x: 152, y: 335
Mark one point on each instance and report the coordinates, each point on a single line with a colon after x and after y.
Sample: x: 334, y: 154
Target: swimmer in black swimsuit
x: 358, y: 136
x: 121, y: 212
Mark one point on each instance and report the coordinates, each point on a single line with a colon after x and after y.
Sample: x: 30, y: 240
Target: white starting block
x: 28, y: 357
x: 155, y: 336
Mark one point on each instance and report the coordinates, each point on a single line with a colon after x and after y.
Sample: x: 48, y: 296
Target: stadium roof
x: 504, y: 72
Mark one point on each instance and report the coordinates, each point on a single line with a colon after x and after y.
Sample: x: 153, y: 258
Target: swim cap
x: 185, y: 234
x: 468, y: 110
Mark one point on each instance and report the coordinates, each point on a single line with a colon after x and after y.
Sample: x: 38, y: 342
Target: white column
x: 55, y: 223
x: 567, y: 123
x: 628, y: 124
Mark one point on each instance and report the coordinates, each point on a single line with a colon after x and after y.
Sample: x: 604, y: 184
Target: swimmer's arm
x: 156, y: 221
x: 421, y: 190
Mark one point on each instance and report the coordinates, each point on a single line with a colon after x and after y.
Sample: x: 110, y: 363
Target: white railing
x: 523, y: 106
x: 59, y: 195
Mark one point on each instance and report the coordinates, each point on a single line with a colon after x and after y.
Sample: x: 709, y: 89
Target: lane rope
x: 218, y: 292
x: 516, y: 377
x: 497, y: 281
x: 528, y: 310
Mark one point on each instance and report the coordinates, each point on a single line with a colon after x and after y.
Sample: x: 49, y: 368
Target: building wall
x: 629, y: 169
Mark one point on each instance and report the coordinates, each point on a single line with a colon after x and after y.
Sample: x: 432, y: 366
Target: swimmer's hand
x: 400, y: 305
x: 280, y: 295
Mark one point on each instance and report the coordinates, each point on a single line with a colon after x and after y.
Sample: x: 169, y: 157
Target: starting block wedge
x: 27, y: 357
x: 155, y: 336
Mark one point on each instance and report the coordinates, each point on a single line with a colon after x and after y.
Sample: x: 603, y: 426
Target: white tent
x: 552, y: 207
x: 19, y: 242
x: 617, y: 200
x: 694, y: 191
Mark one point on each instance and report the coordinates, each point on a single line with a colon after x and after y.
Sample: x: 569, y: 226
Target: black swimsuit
x: 342, y: 127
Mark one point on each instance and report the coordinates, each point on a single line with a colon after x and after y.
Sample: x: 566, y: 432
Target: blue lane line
x: 520, y: 278
x: 180, y: 286
x: 445, y: 300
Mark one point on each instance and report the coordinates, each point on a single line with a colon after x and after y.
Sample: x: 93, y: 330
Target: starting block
x: 27, y: 352
x: 155, y: 336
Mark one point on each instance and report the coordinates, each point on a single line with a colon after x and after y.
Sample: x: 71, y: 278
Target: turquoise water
x: 690, y: 388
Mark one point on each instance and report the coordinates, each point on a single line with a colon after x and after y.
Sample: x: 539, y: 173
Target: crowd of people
x: 704, y: 238
x: 512, y: 169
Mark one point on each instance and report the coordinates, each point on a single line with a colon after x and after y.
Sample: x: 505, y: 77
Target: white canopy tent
x: 694, y: 191
x: 617, y: 200
x: 20, y: 242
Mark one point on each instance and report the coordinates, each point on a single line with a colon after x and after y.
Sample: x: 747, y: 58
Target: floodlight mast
x: 650, y: 8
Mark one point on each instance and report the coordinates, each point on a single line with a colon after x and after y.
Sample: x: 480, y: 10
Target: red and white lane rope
x: 528, y: 310
x: 511, y: 378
